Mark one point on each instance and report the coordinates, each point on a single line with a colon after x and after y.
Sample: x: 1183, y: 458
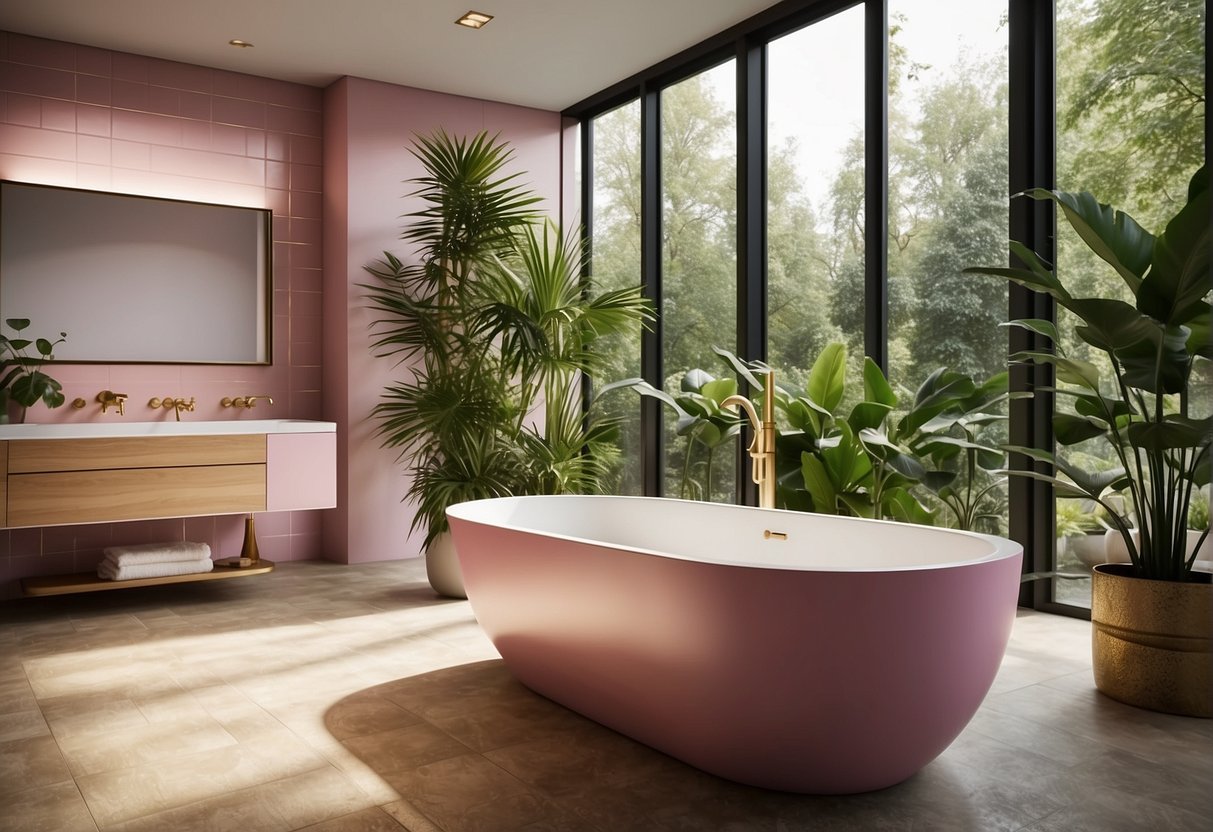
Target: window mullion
x: 876, y: 182
x: 751, y: 229
x: 651, y: 362
x: 1031, y: 164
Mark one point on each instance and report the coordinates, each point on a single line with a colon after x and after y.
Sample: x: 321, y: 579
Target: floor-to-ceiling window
x: 614, y: 220
x: 948, y: 209
x: 925, y: 114
x: 1130, y: 129
x: 699, y: 271
x: 815, y: 195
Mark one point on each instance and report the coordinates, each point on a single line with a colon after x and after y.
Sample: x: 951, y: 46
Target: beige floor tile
x: 560, y: 764
x: 20, y: 725
x: 124, y: 794
x: 522, y: 721
x: 134, y: 747
x: 403, y: 749
x: 291, y: 803
x: 74, y: 715
x: 172, y: 706
x: 366, y: 713
x: 57, y: 808
x: 368, y: 820
x: 30, y: 763
x: 443, y: 790
x: 17, y: 695
x: 409, y: 816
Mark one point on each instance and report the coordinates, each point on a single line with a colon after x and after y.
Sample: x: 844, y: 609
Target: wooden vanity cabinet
x: 64, y: 481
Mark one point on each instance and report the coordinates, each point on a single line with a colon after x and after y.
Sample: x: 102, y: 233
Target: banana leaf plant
x: 1152, y: 345
x: 875, y: 461
x: 700, y: 420
x: 964, y: 464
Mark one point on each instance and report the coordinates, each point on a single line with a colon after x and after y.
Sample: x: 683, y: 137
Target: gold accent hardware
x: 1150, y: 642
x: 767, y: 534
x: 249, y: 550
x: 79, y: 403
x: 762, y: 448
x: 244, y: 401
x: 106, y: 398
x: 175, y: 405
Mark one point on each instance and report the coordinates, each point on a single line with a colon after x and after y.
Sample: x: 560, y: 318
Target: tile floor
x: 326, y: 697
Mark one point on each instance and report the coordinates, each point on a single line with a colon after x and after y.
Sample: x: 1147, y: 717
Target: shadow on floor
x: 472, y: 749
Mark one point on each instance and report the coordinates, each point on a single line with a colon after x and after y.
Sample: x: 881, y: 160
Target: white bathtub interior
x: 729, y: 534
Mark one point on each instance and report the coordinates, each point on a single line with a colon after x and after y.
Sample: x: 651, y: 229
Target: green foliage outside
x: 1130, y: 83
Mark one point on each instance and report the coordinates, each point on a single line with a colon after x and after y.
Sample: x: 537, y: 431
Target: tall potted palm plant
x: 1152, y: 617
x: 494, y: 323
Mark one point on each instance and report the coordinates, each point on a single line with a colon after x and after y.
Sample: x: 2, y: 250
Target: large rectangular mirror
x: 136, y: 279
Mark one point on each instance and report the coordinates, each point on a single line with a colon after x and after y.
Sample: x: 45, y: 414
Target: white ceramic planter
x: 1115, y: 550
x: 442, y: 567
x: 1089, y: 549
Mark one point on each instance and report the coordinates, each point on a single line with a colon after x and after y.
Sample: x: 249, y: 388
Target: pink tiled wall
x: 88, y: 118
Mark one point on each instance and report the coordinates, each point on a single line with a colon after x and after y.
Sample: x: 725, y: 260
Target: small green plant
x: 1079, y: 517
x: 1198, y: 511
x: 21, y: 377
x: 704, y: 424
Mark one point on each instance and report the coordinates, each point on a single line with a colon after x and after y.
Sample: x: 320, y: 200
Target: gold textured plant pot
x: 1151, y: 641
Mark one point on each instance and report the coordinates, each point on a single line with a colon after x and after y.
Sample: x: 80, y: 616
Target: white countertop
x: 90, y: 430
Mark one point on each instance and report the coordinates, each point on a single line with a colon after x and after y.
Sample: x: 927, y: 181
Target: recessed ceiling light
x: 243, y: 44
x: 474, y: 20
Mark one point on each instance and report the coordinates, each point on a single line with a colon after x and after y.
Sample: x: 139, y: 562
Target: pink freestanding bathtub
x: 802, y: 652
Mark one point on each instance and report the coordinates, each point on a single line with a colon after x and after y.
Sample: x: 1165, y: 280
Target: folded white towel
x: 110, y: 571
x: 156, y: 553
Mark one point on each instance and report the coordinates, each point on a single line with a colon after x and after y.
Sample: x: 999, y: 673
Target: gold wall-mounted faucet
x: 762, y: 448
x: 245, y: 401
x: 106, y: 398
x: 175, y: 405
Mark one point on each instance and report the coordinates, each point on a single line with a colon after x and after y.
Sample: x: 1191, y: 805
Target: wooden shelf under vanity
x: 89, y: 582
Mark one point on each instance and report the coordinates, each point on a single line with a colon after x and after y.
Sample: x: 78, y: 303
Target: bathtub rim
x: 1001, y: 547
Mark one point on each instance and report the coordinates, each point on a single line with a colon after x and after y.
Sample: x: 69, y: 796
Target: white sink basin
x: 87, y: 430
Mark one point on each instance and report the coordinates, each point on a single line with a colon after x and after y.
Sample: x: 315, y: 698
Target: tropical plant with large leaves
x: 702, y: 420
x: 877, y: 459
x: 1144, y: 410
x: 494, y: 323
x: 872, y: 461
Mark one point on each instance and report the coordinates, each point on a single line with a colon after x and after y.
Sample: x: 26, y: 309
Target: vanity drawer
x: 37, y: 455
x: 64, y: 497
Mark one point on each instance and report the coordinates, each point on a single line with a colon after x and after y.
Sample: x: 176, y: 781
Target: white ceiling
x: 540, y: 53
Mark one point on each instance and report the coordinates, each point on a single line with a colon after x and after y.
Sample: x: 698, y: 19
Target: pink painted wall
x: 368, y: 126
x: 84, y: 117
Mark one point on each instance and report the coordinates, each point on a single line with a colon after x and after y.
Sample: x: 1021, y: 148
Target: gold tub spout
x: 762, y: 448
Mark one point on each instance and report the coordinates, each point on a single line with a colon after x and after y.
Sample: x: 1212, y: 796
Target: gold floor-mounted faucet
x: 762, y: 449
x: 175, y: 405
